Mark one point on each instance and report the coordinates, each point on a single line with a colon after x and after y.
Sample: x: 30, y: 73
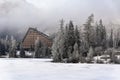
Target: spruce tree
x: 117, y: 38
x: 65, y: 55
x: 89, y: 34
x: 103, y: 35
x: 77, y: 37
x: 12, y: 50
x: 75, y: 55
x: 55, y: 50
x: 111, y: 39
x: 62, y: 39
x: 90, y: 55
x: 2, y: 47
x: 98, y: 35
x: 58, y: 46
x: 71, y: 35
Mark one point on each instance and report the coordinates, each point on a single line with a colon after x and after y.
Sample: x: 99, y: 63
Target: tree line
x: 73, y: 44
x: 11, y: 47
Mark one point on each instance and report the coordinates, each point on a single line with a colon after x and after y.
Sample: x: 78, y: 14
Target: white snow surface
x: 43, y: 69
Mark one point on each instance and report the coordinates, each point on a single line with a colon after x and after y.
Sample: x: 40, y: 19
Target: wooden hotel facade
x: 31, y: 36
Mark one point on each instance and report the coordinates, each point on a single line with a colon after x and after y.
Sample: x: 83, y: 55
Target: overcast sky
x: 77, y: 9
x: 45, y: 14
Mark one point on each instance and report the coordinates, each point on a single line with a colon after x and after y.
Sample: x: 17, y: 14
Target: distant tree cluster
x: 66, y: 46
x: 9, y: 47
x: 4, y: 46
x: 73, y: 44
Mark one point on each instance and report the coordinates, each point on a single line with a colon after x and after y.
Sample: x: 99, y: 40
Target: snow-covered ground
x: 43, y: 69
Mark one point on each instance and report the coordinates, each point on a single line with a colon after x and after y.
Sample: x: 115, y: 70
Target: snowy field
x: 43, y: 69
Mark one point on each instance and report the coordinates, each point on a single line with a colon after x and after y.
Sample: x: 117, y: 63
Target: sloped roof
x: 40, y: 33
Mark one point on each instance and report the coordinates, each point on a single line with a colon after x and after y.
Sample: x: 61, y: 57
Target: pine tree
x: 75, y: 55
x: 77, y: 36
x: 66, y: 46
x: 6, y: 43
x: 90, y: 54
x: 78, y: 40
x: 103, y: 35
x: 98, y: 35
x: 55, y: 48
x: 2, y: 47
x: 117, y: 39
x: 71, y: 36
x: 12, y: 50
x: 89, y: 34
x: 58, y: 47
x: 62, y: 39
x: 111, y: 39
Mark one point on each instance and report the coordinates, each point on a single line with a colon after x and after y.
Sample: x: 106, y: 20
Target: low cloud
x: 18, y: 15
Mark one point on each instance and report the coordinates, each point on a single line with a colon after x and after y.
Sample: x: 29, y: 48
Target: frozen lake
x: 43, y: 69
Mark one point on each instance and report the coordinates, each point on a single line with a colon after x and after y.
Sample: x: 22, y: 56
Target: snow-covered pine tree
x: 6, y: 43
x: 89, y: 34
x: 98, y: 35
x: 58, y: 45
x: 12, y: 50
x: 90, y: 54
x: 62, y: 39
x: 103, y: 35
x: 117, y: 38
x: 2, y: 47
x: 66, y: 44
x: 71, y: 36
x: 75, y: 55
x: 77, y: 37
x: 78, y: 40
x: 55, y: 49
x: 111, y: 39
x: 99, y: 38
